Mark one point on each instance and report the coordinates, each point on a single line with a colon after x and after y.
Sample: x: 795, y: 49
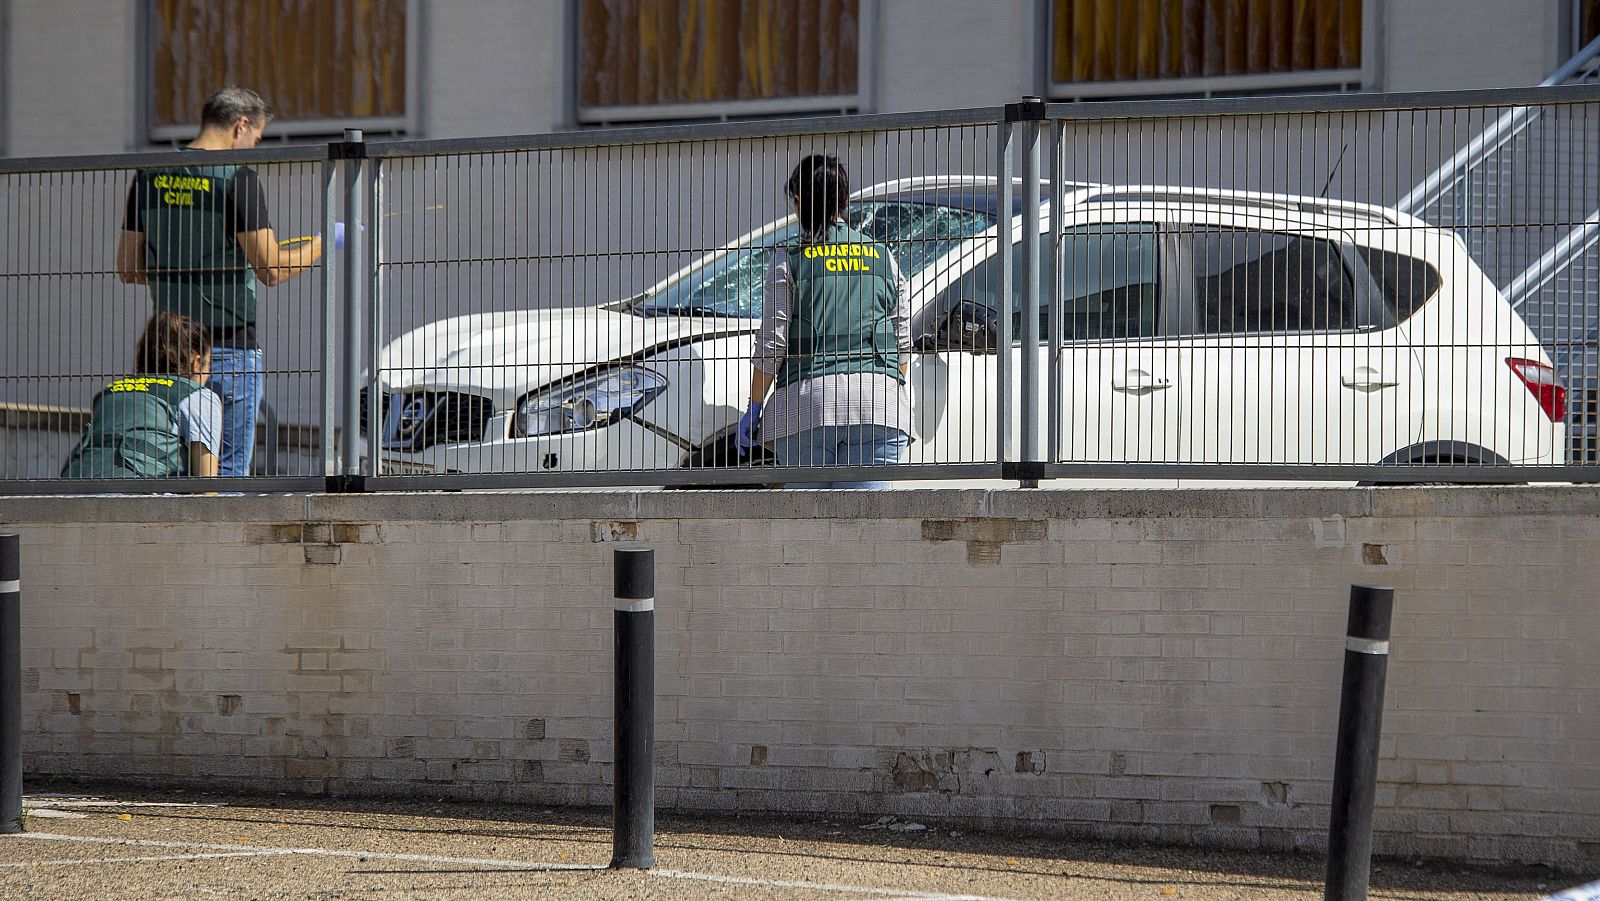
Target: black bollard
x: 1355, y: 766
x: 10, y: 684
x: 633, y: 814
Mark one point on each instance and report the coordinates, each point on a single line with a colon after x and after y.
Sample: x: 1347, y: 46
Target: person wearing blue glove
x: 835, y: 341
x: 199, y: 235
x: 749, y: 435
x: 338, y: 234
x: 338, y: 237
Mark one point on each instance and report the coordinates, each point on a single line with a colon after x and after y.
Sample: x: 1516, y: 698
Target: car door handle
x: 1137, y: 381
x: 1367, y: 380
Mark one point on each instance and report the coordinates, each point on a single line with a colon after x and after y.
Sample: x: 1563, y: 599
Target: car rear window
x: 1405, y: 281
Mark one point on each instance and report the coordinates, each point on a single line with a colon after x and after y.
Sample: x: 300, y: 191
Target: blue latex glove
x: 749, y: 427
x: 338, y: 235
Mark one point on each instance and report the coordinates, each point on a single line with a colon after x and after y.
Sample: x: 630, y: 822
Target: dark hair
x: 169, y: 342
x: 226, y: 107
x: 820, y: 188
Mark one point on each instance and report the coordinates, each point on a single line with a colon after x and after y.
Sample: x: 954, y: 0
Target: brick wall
x: 1129, y: 665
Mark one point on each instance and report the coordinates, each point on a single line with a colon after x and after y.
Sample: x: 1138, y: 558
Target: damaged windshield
x: 917, y: 232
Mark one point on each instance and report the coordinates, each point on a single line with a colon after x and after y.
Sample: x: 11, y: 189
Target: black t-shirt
x: 247, y: 204
x: 246, y: 208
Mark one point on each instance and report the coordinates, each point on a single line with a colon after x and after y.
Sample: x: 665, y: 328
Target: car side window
x: 1405, y: 282
x: 1111, y: 284
x: 1257, y: 281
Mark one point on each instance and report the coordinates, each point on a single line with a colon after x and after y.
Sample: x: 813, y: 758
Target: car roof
x: 977, y: 192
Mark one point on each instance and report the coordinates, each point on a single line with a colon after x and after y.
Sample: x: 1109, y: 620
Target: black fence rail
x: 1163, y: 291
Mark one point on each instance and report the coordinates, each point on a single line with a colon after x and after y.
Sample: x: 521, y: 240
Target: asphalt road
x: 148, y: 845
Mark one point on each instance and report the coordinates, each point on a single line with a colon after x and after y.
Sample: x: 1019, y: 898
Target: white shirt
x: 200, y: 419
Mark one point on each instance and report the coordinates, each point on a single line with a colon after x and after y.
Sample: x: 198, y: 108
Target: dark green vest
x: 195, y: 264
x: 133, y: 431
x: 841, y: 316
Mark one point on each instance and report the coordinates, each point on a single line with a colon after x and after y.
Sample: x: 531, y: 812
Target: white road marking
x: 316, y: 852
x: 156, y: 859
x: 885, y: 893
x: 58, y: 801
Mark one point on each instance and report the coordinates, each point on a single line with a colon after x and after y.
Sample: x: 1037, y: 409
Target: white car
x: 1198, y: 325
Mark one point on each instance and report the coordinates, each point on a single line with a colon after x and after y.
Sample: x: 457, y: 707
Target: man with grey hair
x: 200, y: 237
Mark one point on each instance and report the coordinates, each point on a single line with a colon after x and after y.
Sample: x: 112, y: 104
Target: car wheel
x: 1435, y: 461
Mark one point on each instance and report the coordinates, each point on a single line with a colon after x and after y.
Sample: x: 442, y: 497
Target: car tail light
x: 1541, y: 380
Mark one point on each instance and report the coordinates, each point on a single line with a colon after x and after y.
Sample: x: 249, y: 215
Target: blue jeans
x: 236, y: 377
x: 842, y: 445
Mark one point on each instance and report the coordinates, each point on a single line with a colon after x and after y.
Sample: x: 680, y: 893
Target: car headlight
x: 593, y: 401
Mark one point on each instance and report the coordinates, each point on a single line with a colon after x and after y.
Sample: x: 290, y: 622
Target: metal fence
x: 1163, y: 291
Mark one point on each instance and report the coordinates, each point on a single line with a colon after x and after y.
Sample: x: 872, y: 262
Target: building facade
x: 100, y: 76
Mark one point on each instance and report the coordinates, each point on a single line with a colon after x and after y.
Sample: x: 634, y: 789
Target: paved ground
x: 132, y: 845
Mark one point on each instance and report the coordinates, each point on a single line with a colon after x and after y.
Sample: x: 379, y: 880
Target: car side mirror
x: 969, y: 326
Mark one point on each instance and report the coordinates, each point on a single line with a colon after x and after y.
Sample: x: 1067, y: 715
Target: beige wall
x: 1433, y: 46
x: 1130, y: 665
x: 73, y: 77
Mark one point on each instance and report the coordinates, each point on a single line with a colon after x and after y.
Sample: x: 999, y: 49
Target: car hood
x: 505, y: 355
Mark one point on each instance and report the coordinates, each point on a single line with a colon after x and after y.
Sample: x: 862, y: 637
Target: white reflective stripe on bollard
x: 9, y: 587
x: 1365, y: 645
x: 635, y: 605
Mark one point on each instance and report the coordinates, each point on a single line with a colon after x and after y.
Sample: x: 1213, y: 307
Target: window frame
x: 1574, y: 28
x: 5, y: 72
x: 722, y: 110
x: 1359, y: 78
x: 404, y: 124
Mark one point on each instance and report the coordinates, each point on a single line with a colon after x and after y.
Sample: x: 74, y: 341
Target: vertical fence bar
x: 633, y: 815
x: 1004, y: 232
x: 353, y: 284
x: 10, y: 683
x: 330, y: 324
x: 1031, y: 111
x: 1057, y: 300
x: 1355, y: 767
x: 374, y: 223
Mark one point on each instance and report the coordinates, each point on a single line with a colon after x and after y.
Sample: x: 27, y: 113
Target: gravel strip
x: 283, y: 847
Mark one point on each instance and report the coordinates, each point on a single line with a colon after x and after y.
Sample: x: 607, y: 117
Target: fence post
x: 1355, y: 767
x: 1054, y: 294
x: 330, y: 325
x: 353, y: 153
x: 1005, y: 220
x: 633, y: 815
x: 1030, y: 113
x: 10, y: 683
x: 374, y: 273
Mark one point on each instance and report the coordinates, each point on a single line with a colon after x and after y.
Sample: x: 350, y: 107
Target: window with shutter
x: 710, y: 59
x: 323, y: 65
x: 1176, y: 47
